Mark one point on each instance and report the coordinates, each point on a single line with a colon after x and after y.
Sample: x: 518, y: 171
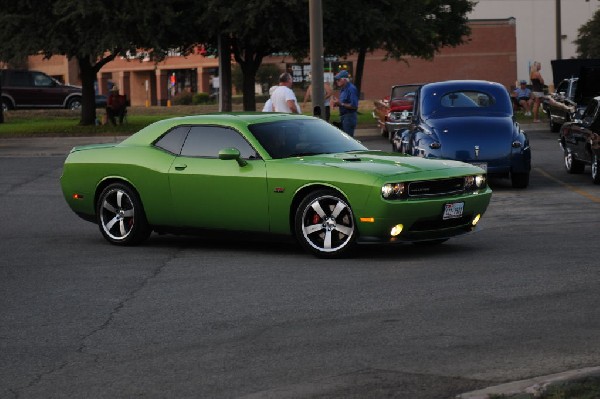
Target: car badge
x: 476, y: 152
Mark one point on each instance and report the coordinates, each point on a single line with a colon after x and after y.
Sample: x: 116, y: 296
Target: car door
x: 19, y: 86
x: 212, y: 193
x: 47, y: 92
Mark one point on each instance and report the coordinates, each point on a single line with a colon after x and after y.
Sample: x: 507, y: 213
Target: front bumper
x: 421, y: 218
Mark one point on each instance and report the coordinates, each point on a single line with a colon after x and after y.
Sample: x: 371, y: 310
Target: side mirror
x: 227, y: 154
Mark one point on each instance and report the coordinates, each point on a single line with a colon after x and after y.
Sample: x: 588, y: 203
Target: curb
x: 534, y: 386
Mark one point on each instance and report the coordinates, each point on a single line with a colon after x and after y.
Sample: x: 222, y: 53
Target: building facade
x: 536, y: 28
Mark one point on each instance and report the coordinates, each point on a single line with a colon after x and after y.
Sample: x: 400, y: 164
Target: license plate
x: 453, y: 211
x: 482, y: 165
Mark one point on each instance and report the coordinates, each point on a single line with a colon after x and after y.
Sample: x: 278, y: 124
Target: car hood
x: 588, y: 85
x: 461, y: 136
x: 384, y: 164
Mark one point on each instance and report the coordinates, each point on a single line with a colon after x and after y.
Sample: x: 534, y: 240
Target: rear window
x: 467, y: 99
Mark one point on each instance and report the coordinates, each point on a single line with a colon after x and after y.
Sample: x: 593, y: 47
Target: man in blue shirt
x: 348, y: 102
x: 524, y: 97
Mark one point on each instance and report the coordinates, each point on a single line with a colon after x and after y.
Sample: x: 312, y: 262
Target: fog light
x: 397, y: 229
x: 476, y: 219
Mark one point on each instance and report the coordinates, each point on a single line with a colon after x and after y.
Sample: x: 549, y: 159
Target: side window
x: 207, y: 141
x: 41, y: 80
x: 19, y: 79
x: 173, y: 140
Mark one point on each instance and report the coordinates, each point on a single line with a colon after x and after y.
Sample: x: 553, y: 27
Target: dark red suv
x: 33, y: 89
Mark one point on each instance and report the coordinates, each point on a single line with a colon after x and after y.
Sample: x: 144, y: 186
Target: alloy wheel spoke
x: 327, y: 241
x: 122, y: 228
x: 109, y: 207
x: 120, y: 198
x: 313, y: 228
x: 317, y: 208
x: 128, y: 213
x: 344, y: 229
x: 111, y: 223
x: 339, y: 207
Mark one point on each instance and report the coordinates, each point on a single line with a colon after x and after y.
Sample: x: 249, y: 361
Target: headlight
x: 392, y: 190
x: 480, y: 181
x: 393, y: 117
x: 474, y: 182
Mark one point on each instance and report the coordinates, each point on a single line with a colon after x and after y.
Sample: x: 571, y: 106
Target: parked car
x: 470, y: 121
x: 34, y: 89
x: 580, y: 141
x: 394, y: 112
x: 572, y: 96
x: 101, y: 101
x: 271, y: 173
x: 560, y: 105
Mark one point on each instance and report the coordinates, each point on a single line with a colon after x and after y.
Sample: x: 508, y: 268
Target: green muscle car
x: 270, y: 173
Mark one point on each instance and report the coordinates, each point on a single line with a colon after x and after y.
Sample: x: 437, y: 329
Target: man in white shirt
x: 284, y: 99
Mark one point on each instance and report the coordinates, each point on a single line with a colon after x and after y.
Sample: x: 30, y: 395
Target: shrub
x: 201, y: 98
x: 183, y: 98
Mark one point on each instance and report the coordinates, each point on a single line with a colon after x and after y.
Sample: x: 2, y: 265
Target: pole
x: 316, y: 57
x: 558, y: 32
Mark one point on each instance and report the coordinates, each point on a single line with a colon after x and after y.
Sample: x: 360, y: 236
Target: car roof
x: 237, y: 120
x: 463, y: 85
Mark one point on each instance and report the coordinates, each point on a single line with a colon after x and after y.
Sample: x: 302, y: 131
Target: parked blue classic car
x: 470, y: 121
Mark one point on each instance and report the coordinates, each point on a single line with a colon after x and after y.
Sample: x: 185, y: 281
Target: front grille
x: 438, y: 224
x: 433, y: 188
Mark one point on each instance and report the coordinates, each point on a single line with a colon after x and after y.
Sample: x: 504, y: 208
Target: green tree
x: 93, y: 32
x: 256, y: 29
x: 400, y: 27
x: 588, y: 38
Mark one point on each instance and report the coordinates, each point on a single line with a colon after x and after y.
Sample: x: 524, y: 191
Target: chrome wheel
x: 573, y: 165
x: 325, y: 224
x: 120, y: 216
x: 74, y: 104
x: 596, y: 170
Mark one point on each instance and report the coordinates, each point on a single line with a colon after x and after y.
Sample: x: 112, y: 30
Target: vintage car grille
x: 432, y: 188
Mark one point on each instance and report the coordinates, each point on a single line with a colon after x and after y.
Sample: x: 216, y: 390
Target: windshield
x: 465, y: 102
x: 299, y: 137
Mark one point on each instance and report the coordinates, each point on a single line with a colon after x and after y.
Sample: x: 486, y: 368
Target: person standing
x: 537, y: 84
x: 348, y: 102
x: 327, y: 98
x: 284, y: 99
x: 268, y: 107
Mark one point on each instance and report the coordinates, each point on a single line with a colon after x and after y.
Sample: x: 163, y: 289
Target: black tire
x: 324, y: 224
x: 519, y: 180
x: 596, y: 169
x: 554, y: 127
x: 74, y: 104
x: 6, y: 105
x: 573, y: 165
x: 121, y: 216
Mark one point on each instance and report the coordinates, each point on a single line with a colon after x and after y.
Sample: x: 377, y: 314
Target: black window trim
x: 190, y: 126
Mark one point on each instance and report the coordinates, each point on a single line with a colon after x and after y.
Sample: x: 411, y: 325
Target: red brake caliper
x: 316, y: 219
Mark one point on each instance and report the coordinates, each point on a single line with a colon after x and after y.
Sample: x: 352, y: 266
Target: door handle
x: 181, y: 166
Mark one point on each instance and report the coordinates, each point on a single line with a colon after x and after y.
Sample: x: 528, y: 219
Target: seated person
x: 524, y: 97
x: 116, y: 106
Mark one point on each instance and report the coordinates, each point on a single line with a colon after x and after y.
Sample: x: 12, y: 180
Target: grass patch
x: 62, y: 122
